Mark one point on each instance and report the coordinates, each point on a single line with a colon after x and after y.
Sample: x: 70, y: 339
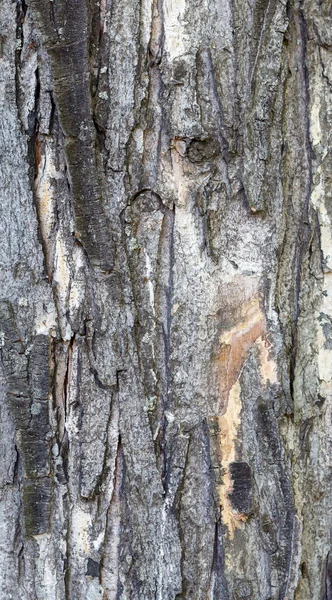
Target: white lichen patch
x: 80, y: 530
x: 46, y: 582
x: 315, y: 127
x: 324, y: 313
x: 110, y: 571
x: 103, y: 95
x: 149, y: 282
x: 45, y: 194
x: 97, y: 543
x: 72, y: 419
x: 95, y: 591
x: 179, y: 181
x: 46, y: 318
x: 146, y: 17
x: 61, y: 278
x: 77, y: 286
x: 174, y: 28
x: 319, y: 201
x: 325, y: 224
x: 324, y: 351
x: 138, y: 136
x: 23, y: 302
x: 29, y: 64
x: 35, y: 408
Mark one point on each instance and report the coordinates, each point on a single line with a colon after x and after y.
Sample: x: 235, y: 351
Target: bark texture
x: 165, y: 299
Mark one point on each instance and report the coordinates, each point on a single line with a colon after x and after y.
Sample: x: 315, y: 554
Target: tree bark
x: 165, y: 304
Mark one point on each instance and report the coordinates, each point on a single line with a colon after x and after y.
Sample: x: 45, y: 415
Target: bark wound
x: 243, y: 327
x: 64, y: 29
x: 28, y: 385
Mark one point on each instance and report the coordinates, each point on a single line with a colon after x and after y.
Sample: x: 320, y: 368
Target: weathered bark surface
x: 165, y: 302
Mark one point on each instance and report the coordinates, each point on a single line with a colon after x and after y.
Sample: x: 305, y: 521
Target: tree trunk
x: 165, y: 314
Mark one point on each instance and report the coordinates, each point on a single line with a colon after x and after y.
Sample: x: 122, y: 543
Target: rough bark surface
x: 165, y: 301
